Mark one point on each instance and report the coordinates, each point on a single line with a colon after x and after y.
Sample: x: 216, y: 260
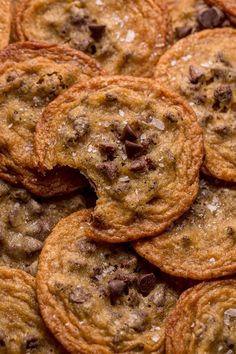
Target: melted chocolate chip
x: 211, y: 17
x: 97, y: 31
x: 128, y: 133
x: 230, y: 231
x: 132, y: 149
x: 32, y: 343
x: 109, y: 169
x: 150, y: 164
x: 116, y: 288
x: 195, y: 75
x: 138, y: 165
x: 183, y: 31
x: 223, y: 94
x: 222, y: 130
x: 146, y: 283
x: 79, y: 295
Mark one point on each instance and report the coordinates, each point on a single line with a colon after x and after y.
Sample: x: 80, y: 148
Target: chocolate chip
x: 138, y: 165
x: 195, y: 75
x: 109, y: 169
x: 171, y: 117
x: 230, y: 231
x: 150, y: 164
x: 79, y: 17
x: 116, y: 288
x: 108, y: 149
x: 132, y: 149
x: 87, y: 246
x: 223, y: 94
x: 211, y: 17
x: 146, y: 283
x: 183, y: 31
x: 222, y: 130
x: 97, y: 31
x: 128, y: 133
x: 79, y: 295
x: 32, y: 343
x: 81, y: 126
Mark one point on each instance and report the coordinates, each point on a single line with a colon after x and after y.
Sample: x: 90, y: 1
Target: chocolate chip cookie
x: 101, y: 298
x: 189, y: 16
x: 125, y: 36
x: 139, y: 145
x: 21, y: 327
x: 26, y: 221
x: 204, y: 320
x: 202, y: 244
x: 5, y: 22
x: 202, y: 69
x: 32, y: 75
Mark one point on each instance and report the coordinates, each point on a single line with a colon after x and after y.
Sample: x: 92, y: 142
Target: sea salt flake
x: 173, y: 63
x: 212, y: 260
x: 124, y: 179
x: 155, y: 339
x: 187, y: 57
x: 158, y: 124
x: 99, y: 2
x: 212, y: 207
x: 130, y: 36
x: 121, y: 113
x: 155, y: 328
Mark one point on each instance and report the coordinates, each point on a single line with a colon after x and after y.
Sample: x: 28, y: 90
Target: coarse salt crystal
x: 212, y: 207
x: 124, y: 179
x: 173, y: 63
x: 155, y: 338
x: 212, y: 260
x: 187, y: 57
x: 130, y: 36
x: 158, y: 124
x: 99, y: 2
x: 121, y: 113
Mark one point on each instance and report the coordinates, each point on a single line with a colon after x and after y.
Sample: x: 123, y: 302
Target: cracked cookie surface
x: 202, y: 243
x: 26, y: 221
x: 202, y: 68
x: 190, y: 16
x: 5, y: 22
x: 204, y: 320
x: 138, y: 144
x: 101, y: 298
x: 124, y: 36
x: 32, y: 75
x: 21, y: 327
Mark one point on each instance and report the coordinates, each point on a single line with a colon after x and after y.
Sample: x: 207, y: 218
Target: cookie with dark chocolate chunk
x: 125, y: 37
x: 101, y: 298
x: 26, y: 221
x: 202, y: 69
x: 201, y: 244
x: 31, y: 76
x: 204, y: 320
x: 153, y: 159
x: 22, y: 329
x: 5, y: 22
x: 228, y: 6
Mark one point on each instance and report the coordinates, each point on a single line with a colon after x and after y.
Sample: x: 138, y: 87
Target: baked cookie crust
x: 22, y: 328
x: 31, y: 75
x: 202, y: 69
x: 138, y: 144
x: 5, y: 22
x: 101, y: 298
x: 202, y: 243
x: 203, y: 320
x: 126, y: 37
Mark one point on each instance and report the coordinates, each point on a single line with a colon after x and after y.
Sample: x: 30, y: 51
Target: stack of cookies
x: 118, y: 176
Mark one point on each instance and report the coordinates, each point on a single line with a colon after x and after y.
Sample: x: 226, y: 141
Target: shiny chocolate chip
x: 132, y: 149
x: 183, y: 31
x: 97, y: 31
x: 195, y: 75
x: 138, y: 165
x: 128, y: 133
x: 146, y: 283
x: 116, y: 288
x: 108, y: 149
x: 223, y: 94
x: 211, y: 17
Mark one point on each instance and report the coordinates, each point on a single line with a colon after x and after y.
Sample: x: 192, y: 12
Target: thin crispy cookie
x: 201, y: 68
x: 139, y: 145
x: 5, y: 22
x: 204, y: 320
x: 101, y: 298
x: 125, y: 37
x: 202, y: 244
x: 31, y: 75
x: 22, y: 328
